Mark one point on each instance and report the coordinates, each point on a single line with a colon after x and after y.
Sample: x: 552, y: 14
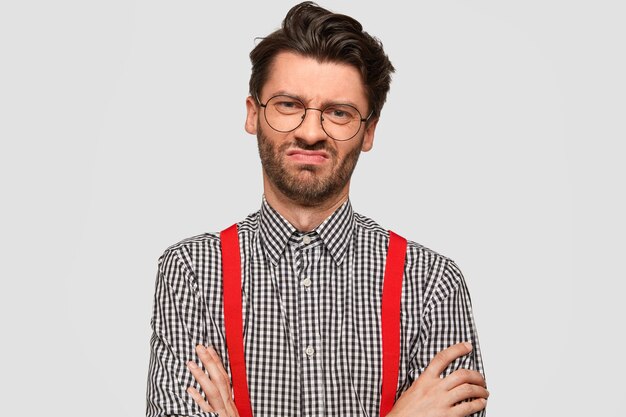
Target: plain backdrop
x: 501, y: 146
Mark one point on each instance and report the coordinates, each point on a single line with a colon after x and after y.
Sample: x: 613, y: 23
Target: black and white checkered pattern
x: 311, y: 316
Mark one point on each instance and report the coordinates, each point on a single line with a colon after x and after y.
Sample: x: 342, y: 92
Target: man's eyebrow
x: 306, y: 101
x: 331, y: 102
x: 286, y: 93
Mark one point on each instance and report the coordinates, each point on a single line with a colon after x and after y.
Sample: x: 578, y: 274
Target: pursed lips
x: 307, y: 157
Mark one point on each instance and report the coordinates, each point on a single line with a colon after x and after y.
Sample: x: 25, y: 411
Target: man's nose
x: 310, y: 130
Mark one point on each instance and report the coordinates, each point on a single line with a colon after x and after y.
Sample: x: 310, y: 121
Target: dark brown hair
x: 312, y: 31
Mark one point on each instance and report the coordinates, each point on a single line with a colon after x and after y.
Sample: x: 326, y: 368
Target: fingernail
x: 468, y: 345
x: 192, y: 364
x: 200, y: 348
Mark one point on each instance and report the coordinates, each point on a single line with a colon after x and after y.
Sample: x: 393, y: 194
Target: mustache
x: 317, y: 146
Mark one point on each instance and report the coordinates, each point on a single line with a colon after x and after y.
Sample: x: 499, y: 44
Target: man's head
x: 317, y: 87
x: 314, y: 32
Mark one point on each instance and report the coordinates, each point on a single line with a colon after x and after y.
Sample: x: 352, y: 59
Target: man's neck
x: 304, y: 218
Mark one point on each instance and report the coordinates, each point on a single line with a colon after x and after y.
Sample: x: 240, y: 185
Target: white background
x: 501, y: 146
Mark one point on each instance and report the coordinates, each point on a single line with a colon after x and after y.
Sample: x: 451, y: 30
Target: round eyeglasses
x: 339, y: 121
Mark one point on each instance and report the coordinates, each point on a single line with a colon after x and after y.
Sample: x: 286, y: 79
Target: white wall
x: 501, y: 146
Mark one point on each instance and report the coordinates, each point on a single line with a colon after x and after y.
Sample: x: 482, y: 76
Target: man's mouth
x: 307, y: 157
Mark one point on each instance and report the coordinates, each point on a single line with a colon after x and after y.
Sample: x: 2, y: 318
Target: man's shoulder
x: 416, y: 252
x: 436, y: 274
x: 208, y: 241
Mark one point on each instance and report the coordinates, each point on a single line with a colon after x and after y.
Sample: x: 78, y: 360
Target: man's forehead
x: 308, y: 79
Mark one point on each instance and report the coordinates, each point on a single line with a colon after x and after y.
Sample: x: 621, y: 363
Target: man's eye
x: 289, y: 105
x: 339, y: 113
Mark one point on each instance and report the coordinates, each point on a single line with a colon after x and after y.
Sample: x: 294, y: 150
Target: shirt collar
x: 275, y: 231
x: 335, y: 232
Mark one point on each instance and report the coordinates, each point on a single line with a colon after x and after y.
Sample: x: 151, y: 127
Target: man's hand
x: 214, y: 383
x: 430, y: 395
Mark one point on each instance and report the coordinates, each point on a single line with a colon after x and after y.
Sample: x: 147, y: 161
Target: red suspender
x: 231, y: 276
x: 390, y: 319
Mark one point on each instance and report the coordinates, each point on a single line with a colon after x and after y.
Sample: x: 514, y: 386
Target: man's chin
x: 304, y: 188
x: 306, y: 172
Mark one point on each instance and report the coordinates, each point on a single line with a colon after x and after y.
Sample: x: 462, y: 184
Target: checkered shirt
x: 311, y: 309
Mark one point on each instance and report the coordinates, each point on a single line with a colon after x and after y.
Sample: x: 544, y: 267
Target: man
x: 311, y: 271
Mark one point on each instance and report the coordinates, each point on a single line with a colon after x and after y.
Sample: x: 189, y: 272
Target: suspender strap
x: 390, y: 320
x: 231, y: 276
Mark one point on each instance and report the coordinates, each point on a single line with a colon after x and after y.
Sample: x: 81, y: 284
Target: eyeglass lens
x: 339, y: 121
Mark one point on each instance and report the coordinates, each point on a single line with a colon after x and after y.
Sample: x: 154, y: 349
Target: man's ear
x: 252, y: 113
x: 368, y: 138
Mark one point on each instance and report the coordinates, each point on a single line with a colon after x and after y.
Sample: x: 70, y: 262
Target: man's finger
x: 463, y: 376
x: 199, y: 375
x: 197, y: 397
x: 466, y: 392
x: 469, y: 407
x: 216, y: 373
x: 211, y: 392
x: 444, y: 358
x: 218, y: 362
x: 203, y: 355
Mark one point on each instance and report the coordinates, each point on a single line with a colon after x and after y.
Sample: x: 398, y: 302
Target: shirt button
x: 306, y: 282
x: 306, y: 240
x: 309, y: 351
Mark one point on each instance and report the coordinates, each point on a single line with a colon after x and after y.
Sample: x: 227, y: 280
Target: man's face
x: 305, y: 165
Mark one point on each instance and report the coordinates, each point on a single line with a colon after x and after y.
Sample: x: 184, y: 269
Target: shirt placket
x: 310, y: 339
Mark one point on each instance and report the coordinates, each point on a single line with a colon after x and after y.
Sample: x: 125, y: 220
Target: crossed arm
x: 439, y: 385
x: 459, y: 394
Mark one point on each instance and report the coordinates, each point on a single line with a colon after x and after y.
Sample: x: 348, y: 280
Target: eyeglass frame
x: 361, y: 120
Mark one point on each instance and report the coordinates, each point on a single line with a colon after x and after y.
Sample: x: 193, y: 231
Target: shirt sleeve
x: 447, y: 320
x: 177, y: 327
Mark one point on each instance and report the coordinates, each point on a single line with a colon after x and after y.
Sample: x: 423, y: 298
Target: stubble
x: 306, y: 186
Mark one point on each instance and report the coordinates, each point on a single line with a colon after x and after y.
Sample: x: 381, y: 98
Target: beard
x: 304, y: 184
